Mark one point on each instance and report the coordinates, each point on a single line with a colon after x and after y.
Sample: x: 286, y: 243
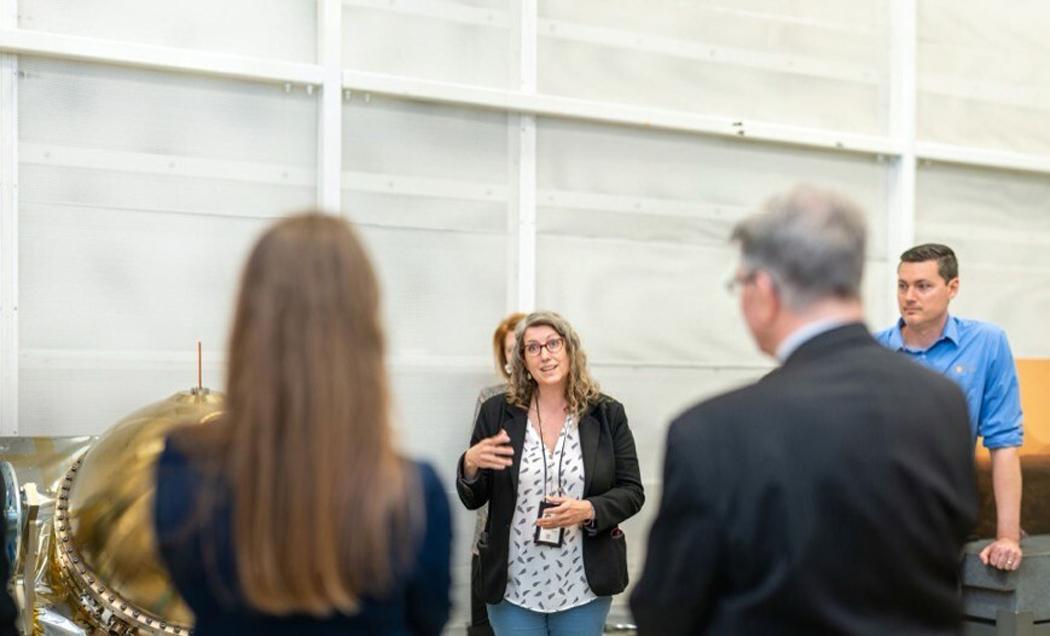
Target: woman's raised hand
x: 492, y: 452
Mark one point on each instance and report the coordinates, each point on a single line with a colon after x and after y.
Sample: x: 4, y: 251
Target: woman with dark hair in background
x: 294, y: 513
x: 555, y: 460
x: 502, y: 353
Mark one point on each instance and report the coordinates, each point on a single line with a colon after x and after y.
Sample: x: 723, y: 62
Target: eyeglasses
x: 738, y: 281
x: 553, y: 346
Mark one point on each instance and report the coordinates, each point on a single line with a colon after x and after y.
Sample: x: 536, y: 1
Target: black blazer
x: 832, y: 497
x: 611, y: 482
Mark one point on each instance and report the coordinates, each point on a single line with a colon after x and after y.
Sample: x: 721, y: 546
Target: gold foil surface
x: 97, y: 566
x: 43, y: 461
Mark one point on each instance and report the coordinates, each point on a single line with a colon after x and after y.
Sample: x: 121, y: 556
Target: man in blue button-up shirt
x: 977, y: 356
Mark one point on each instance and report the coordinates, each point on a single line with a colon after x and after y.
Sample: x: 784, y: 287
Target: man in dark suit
x: 834, y: 495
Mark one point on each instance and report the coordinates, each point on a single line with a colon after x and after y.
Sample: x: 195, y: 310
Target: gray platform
x: 998, y: 603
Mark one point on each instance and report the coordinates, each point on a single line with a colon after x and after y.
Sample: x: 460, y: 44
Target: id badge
x: 548, y: 536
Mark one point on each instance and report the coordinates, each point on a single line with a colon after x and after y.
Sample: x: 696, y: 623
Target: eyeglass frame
x: 546, y: 345
x: 738, y: 281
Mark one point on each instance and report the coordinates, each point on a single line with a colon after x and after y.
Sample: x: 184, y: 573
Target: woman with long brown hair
x: 555, y: 460
x: 294, y: 513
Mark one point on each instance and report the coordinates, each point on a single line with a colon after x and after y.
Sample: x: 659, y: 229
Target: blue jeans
x: 508, y: 619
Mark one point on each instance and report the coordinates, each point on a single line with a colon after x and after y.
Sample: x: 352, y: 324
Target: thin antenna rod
x: 200, y: 385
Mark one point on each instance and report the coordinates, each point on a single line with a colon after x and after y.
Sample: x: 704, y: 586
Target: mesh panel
x: 463, y: 41
x: 665, y: 184
x: 87, y: 399
x: 428, y: 185
x: 982, y: 78
x: 443, y: 292
x: 805, y: 63
x: 634, y: 227
x: 111, y: 279
x: 140, y: 194
x: 282, y: 29
x: 997, y: 224
x: 652, y: 397
x: 131, y: 110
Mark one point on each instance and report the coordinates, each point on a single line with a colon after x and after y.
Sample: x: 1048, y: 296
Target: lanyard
x: 561, y: 455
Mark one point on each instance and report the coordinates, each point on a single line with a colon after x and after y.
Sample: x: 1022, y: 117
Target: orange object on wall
x: 1034, y: 376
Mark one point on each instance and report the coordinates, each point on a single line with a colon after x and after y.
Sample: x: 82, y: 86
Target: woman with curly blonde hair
x: 555, y: 460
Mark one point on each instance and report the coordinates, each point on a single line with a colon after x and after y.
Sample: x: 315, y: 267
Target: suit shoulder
x: 494, y: 405
x: 428, y: 477
x: 912, y: 378
x: 493, y: 397
x: 489, y: 392
x: 702, y: 417
x: 608, y: 408
x: 883, y: 336
x: 608, y: 402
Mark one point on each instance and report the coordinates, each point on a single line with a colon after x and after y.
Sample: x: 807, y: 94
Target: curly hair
x: 581, y: 391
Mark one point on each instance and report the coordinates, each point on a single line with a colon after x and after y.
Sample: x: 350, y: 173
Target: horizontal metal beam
x: 84, y: 49
x: 706, y: 52
x: 981, y: 89
x: 170, y: 359
x: 695, y: 365
x: 831, y: 26
x: 73, y: 359
x: 162, y: 165
x: 21, y: 41
x: 165, y: 165
x: 220, y: 212
x: 622, y: 114
x: 406, y: 185
x: 982, y: 157
x: 35, y: 359
x: 679, y: 208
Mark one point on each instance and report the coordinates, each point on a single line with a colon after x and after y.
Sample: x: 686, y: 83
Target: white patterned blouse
x: 544, y: 578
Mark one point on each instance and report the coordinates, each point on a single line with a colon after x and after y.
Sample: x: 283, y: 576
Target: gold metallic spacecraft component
x: 105, y: 544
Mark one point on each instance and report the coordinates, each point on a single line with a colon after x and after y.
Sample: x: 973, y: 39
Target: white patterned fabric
x: 539, y: 577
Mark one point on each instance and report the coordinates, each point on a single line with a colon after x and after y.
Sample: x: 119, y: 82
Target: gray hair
x: 810, y: 242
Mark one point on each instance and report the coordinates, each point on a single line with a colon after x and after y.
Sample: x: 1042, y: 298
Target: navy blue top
x: 418, y: 605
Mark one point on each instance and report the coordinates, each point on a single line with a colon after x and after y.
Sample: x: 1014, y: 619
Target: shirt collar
x: 804, y: 334
x: 951, y: 332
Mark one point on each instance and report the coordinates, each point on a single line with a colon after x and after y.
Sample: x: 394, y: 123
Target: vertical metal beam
x: 512, y: 244
x: 8, y: 229
x: 524, y: 213
x: 521, y: 292
x: 330, y: 106
x: 903, y: 34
